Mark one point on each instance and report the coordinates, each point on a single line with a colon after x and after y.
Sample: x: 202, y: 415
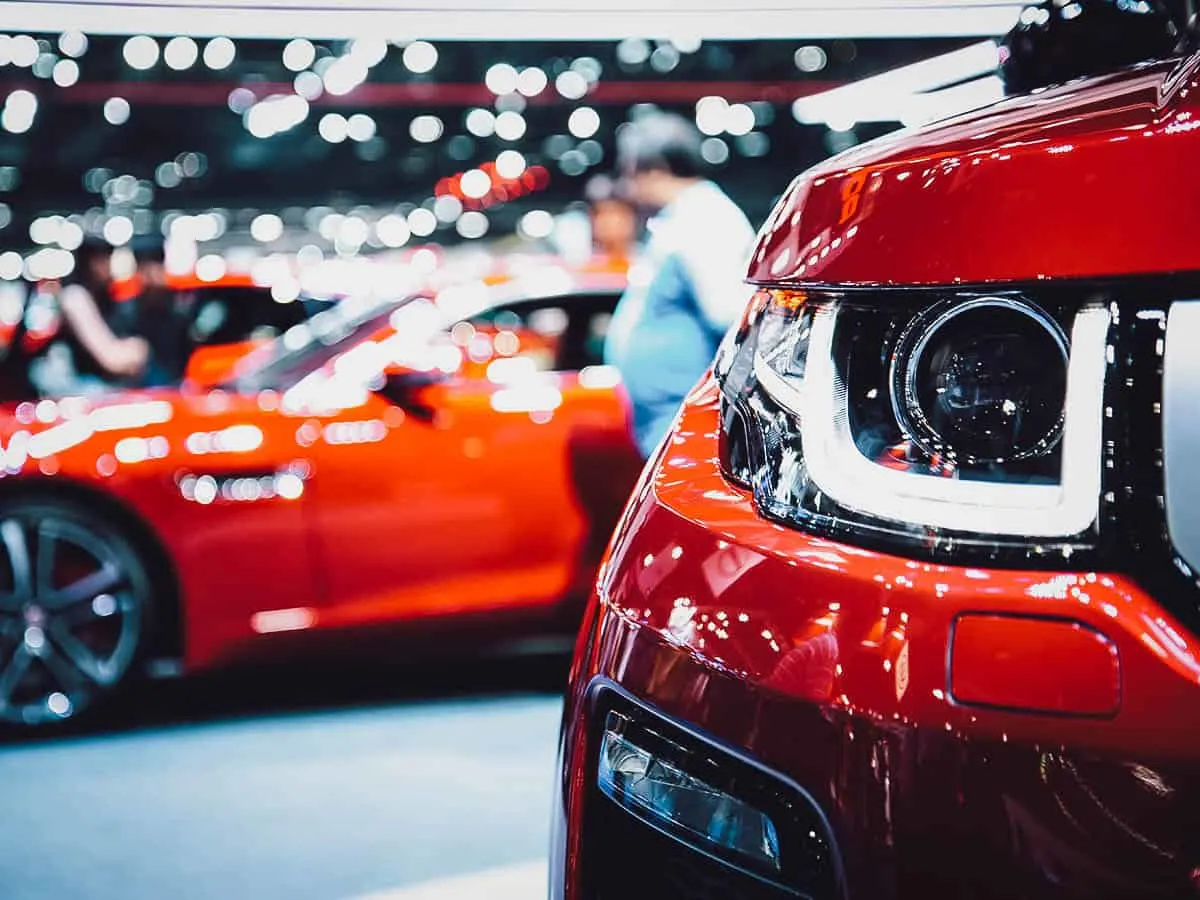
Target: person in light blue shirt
x: 687, y: 290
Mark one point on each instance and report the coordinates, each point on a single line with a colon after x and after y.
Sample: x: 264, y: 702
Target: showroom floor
x: 245, y: 786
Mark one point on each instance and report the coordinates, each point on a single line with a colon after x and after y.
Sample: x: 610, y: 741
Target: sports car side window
x: 571, y: 329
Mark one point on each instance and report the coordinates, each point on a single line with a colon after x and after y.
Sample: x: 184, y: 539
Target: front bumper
x: 829, y: 667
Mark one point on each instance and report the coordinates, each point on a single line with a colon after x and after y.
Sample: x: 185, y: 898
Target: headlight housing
x: 921, y: 421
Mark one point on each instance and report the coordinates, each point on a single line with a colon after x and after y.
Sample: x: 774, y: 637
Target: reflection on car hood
x: 1080, y: 180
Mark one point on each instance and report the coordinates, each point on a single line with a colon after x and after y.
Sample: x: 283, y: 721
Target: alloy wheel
x: 70, y: 616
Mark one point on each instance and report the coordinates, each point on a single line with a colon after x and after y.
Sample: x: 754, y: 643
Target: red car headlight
x: 939, y: 420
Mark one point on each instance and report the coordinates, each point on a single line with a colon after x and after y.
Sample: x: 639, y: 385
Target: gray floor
x: 259, y: 801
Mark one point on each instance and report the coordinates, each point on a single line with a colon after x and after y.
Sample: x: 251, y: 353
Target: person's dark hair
x: 92, y: 249
x: 661, y: 142
x: 148, y: 250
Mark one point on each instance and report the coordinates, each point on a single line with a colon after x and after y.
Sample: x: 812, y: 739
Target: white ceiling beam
x: 518, y: 19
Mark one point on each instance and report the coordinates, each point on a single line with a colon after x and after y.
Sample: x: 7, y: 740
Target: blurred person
x: 615, y: 225
x: 156, y: 315
x: 87, y: 356
x: 671, y: 319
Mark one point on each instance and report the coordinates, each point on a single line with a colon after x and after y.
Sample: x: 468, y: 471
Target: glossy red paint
x: 828, y: 663
x: 209, y: 366
x: 1041, y: 186
x: 377, y: 514
x: 1009, y: 662
x: 967, y: 732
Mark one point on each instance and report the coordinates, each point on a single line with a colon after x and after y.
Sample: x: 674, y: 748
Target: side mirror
x: 208, y: 366
x: 1056, y: 42
x: 406, y: 389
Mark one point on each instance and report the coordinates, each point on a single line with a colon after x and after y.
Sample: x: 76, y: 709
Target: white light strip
x: 518, y: 19
x: 913, y: 109
x: 896, y: 86
x: 981, y: 92
x: 850, y: 479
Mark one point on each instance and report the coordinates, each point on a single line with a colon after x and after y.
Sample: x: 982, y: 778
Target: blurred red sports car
x: 906, y: 606
x: 386, y: 463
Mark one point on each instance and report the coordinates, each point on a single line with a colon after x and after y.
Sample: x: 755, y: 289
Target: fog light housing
x: 656, y: 790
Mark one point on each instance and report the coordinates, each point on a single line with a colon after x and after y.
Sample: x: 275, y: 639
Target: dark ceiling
x: 52, y: 167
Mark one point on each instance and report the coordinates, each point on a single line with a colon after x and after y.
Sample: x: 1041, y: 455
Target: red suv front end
x: 906, y: 605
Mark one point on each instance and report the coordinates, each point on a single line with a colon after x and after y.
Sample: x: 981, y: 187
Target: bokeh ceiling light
x: 73, y: 44
x: 420, y: 57
x: 532, y: 81
x: 266, y: 228
x: 425, y: 129
x: 43, y: 67
x: 140, y: 52
x: 11, y: 265
x: 360, y: 127
x: 810, y: 58
x: 739, y: 119
x: 447, y: 208
x: 275, y: 115
x: 181, y: 53
x: 23, y: 50
x: 299, y: 54
x: 583, y: 122
x: 536, y: 224
x: 168, y: 175
x: 589, y: 67
x: 219, y: 53
x: 711, y: 114
x: 472, y: 225
x: 633, y: 51
x: 70, y: 235
x: 510, y: 126
x: 66, y: 72
x: 510, y: 164
x: 344, y: 75
x: 118, y: 230
x: 333, y: 128
x: 476, y: 184
x: 393, y: 231
x: 480, y: 122
x: 116, y: 110
x: 664, y: 58
x: 422, y: 222
x: 715, y: 151
x: 308, y: 85
x: 20, y: 110
x: 369, y: 51
x: 501, y: 78
x: 571, y: 85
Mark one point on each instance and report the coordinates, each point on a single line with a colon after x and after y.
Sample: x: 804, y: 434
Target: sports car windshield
x: 309, y: 346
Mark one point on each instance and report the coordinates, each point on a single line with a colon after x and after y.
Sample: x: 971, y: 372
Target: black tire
x: 75, y: 611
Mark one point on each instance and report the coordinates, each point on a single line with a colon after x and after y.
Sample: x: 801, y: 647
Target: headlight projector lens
x: 981, y: 381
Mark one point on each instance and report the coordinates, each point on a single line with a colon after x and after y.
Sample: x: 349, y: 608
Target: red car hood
x: 1085, y: 180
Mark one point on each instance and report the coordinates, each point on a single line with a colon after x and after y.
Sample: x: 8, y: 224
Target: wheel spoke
x: 65, y: 672
x: 17, y: 666
x: 80, y: 655
x: 47, y: 551
x: 107, y: 577
x: 17, y: 548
